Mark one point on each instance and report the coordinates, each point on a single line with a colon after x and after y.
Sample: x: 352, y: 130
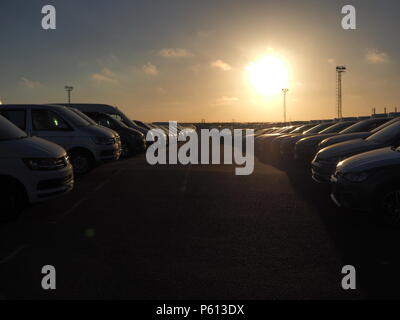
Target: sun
x: 269, y: 75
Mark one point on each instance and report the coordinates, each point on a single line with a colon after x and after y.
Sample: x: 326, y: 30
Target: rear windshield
x: 337, y: 127
x: 386, y: 134
x: 9, y: 131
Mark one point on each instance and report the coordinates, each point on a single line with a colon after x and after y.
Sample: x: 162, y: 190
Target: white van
x: 31, y: 169
x: 85, y: 143
x: 112, y: 111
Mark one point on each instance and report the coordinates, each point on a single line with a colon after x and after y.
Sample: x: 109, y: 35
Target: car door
x: 49, y: 125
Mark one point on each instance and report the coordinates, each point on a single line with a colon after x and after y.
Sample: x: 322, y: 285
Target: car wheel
x: 12, y: 200
x: 81, y: 161
x: 390, y: 207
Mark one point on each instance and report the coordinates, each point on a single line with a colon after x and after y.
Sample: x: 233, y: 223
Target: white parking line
x: 95, y: 190
x: 13, y: 254
x: 185, y: 180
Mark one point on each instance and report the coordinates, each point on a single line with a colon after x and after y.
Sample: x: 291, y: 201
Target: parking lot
x: 132, y: 231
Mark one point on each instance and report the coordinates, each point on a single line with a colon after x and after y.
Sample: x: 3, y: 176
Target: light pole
x: 69, y: 89
x: 339, y: 71
x: 285, y: 91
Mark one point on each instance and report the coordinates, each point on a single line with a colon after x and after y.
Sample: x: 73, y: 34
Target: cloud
x: 376, y: 56
x: 150, y: 69
x: 106, y: 75
x: 225, y: 101
x: 221, y: 64
x: 331, y: 61
x: 161, y: 91
x: 29, y: 83
x: 175, y: 53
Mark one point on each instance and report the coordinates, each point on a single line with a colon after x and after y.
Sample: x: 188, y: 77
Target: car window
x: 46, y: 120
x: 105, y: 122
x: 17, y: 117
x: 116, y: 116
x: 9, y: 131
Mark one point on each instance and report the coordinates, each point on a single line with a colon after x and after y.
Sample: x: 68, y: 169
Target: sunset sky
x: 188, y: 60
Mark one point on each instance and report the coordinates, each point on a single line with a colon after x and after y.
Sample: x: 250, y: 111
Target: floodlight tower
x: 285, y: 91
x: 69, y: 90
x: 339, y: 71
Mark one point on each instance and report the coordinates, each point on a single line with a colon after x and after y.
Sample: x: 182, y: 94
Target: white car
x: 31, y: 170
x: 86, y: 143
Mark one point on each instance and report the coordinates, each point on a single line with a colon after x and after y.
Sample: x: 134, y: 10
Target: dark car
x: 306, y: 148
x: 370, y: 181
x: 363, y: 129
x: 325, y: 161
x: 275, y: 144
x: 262, y: 141
x: 288, y: 143
x: 132, y: 141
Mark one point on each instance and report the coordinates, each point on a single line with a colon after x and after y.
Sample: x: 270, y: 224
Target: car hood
x: 31, y: 147
x: 370, y: 160
x: 348, y: 148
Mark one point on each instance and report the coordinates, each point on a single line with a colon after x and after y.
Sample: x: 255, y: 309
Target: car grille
x: 54, y: 183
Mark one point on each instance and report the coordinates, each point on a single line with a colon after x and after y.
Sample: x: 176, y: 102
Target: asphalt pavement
x: 133, y: 231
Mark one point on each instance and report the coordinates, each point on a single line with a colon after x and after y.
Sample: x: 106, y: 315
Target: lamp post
x: 339, y: 71
x: 285, y: 91
x: 69, y: 89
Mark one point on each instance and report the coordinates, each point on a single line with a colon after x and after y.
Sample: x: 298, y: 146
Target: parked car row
x: 360, y: 159
x: 43, y: 147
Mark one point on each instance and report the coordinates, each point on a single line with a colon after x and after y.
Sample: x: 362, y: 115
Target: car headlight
x: 356, y: 176
x: 103, y: 140
x: 45, y: 164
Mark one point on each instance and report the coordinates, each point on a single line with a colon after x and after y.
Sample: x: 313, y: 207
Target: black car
x: 306, y: 148
x: 132, y: 141
x: 288, y: 143
x: 362, y: 129
x: 370, y: 181
x: 325, y: 161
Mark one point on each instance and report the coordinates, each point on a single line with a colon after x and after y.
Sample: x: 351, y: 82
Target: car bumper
x: 322, y: 172
x: 47, y: 185
x: 109, y: 153
x: 352, y: 195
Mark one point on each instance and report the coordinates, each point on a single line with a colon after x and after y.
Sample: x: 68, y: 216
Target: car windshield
x: 76, y: 119
x: 9, y: 131
x: 357, y: 127
x: 337, y: 127
x: 295, y: 130
x: 318, y: 128
x: 84, y: 116
x: 386, y: 124
x: 386, y: 134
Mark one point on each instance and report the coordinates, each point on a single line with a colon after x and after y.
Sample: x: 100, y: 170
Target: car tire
x: 389, y: 206
x: 12, y: 200
x: 82, y: 161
